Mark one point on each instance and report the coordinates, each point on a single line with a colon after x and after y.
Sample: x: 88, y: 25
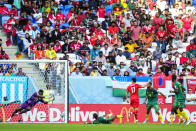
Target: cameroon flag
x: 18, y: 55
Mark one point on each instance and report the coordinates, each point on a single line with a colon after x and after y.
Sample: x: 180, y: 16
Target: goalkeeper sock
x: 147, y: 116
x: 160, y: 117
x: 119, y: 116
x: 179, y: 115
x: 183, y: 113
x: 172, y: 118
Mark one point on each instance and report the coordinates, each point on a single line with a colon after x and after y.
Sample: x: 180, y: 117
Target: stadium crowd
x: 109, y: 37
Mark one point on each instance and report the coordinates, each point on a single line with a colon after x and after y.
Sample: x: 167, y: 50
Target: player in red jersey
x: 134, y: 97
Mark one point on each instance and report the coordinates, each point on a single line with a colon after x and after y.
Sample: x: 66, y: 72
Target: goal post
x: 20, y: 79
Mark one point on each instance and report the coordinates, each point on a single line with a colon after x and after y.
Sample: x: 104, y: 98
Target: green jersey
x: 152, y: 96
x: 180, y: 94
x: 101, y: 120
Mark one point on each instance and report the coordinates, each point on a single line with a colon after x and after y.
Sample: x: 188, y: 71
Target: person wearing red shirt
x: 75, y: 20
x: 193, y: 61
x: 169, y: 18
x: 3, y: 9
x: 173, y: 72
x: 191, y: 45
x: 13, y: 11
x: 140, y: 72
x: 157, y: 21
x: 93, y: 39
x: 161, y: 34
x: 192, y: 73
x: 11, y: 20
x: 99, y: 32
x: 29, y: 26
x: 60, y: 16
x: 70, y: 14
x: 183, y: 58
x: 187, y: 22
x: 133, y: 89
x: 3, y: 56
x: 170, y: 26
x: 113, y: 29
x: 148, y: 28
x: 159, y: 73
x: 101, y: 11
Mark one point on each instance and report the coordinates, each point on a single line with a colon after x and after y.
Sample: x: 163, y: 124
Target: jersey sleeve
x: 139, y: 86
x: 128, y: 89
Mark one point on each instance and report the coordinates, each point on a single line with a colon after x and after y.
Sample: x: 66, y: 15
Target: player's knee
x: 181, y: 109
x: 28, y: 108
x: 172, y: 110
x: 157, y: 112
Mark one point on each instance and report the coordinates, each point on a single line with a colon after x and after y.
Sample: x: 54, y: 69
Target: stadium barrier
x: 79, y: 113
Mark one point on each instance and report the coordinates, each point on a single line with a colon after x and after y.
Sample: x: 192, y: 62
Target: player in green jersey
x: 179, y: 100
x: 104, y: 120
x: 152, y: 96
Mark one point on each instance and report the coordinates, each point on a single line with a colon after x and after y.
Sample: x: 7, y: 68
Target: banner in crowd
x: 164, y: 85
x: 79, y: 113
x: 14, y: 88
x: 191, y: 83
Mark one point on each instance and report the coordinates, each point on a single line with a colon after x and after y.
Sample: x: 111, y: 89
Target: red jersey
x: 133, y: 90
x: 140, y: 74
x: 60, y: 17
x: 102, y: 12
x: 157, y: 21
x: 161, y: 34
x: 147, y: 28
x: 187, y: 23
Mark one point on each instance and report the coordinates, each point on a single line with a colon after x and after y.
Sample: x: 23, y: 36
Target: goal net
x: 20, y: 79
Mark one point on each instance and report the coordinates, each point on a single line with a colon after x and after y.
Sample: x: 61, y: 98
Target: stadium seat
x: 64, y: 24
x: 67, y: 7
x: 9, y: 6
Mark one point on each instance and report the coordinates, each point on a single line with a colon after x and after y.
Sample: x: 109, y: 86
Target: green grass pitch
x: 100, y: 127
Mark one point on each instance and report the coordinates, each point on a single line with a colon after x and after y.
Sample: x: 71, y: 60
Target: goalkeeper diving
x: 29, y: 104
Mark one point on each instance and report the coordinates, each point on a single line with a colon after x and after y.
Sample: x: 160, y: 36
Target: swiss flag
x: 7, y: 27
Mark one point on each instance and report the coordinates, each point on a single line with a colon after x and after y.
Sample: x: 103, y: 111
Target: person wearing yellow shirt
x: 131, y: 46
x: 94, y: 72
x: 9, y: 73
x: 124, y: 3
x: 50, y: 53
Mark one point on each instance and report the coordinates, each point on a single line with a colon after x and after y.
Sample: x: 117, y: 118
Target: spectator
x: 94, y: 72
x: 117, y: 72
x: 157, y: 53
x: 4, y: 56
x: 100, y: 58
x: 131, y: 46
x: 190, y: 95
x: 140, y: 72
x: 27, y: 41
x: 77, y: 72
x: 132, y: 68
x: 39, y: 53
x: 159, y: 73
x: 50, y: 53
x: 20, y: 72
x: 120, y: 58
x: 149, y: 72
x: 110, y: 70
x: 83, y: 49
x: 126, y: 53
x: 126, y: 73
x: 192, y: 73
x: 113, y: 29
x: 183, y: 58
x: 94, y: 52
x: 57, y: 47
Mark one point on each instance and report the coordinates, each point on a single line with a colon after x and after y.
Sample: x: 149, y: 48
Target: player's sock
x: 183, y: 113
x: 172, y: 118
x: 136, y: 114
x: 147, y: 116
x: 119, y: 116
x: 160, y: 117
x: 178, y: 115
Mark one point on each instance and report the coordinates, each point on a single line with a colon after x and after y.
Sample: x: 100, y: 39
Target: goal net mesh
x: 19, y: 80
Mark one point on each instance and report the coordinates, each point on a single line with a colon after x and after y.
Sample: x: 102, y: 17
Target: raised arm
x: 162, y: 94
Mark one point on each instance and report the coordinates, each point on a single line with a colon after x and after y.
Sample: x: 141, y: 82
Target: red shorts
x: 135, y: 103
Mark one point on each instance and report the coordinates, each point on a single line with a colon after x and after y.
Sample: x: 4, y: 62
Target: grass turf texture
x: 100, y: 127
